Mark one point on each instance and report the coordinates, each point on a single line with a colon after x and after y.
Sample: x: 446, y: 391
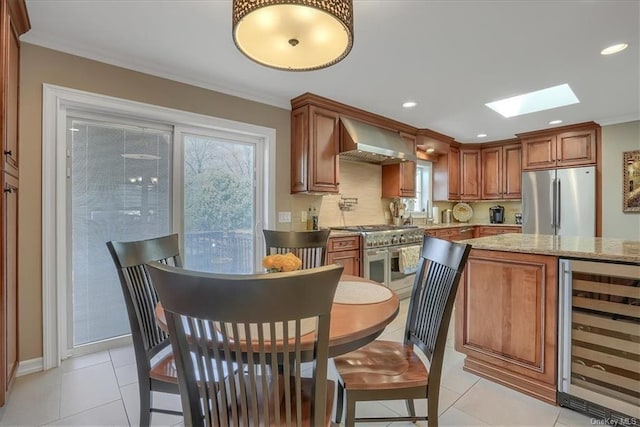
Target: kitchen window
x: 424, y: 179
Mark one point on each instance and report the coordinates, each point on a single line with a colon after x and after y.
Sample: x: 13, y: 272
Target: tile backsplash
x: 363, y: 181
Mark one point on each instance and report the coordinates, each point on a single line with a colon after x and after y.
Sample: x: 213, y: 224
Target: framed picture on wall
x: 631, y: 181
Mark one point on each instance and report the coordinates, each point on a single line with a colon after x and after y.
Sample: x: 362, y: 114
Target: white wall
x: 615, y: 140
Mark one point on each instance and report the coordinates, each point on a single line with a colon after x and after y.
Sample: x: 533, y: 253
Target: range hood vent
x: 366, y: 143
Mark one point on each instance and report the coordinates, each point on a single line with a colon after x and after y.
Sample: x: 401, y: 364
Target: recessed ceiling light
x: 544, y: 99
x: 614, y: 49
x: 409, y: 104
x: 555, y: 122
x: 482, y: 135
x: 430, y: 150
x: 74, y: 130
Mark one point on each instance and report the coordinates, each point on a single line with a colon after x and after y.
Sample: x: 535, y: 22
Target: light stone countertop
x: 342, y: 233
x: 465, y: 224
x: 596, y: 248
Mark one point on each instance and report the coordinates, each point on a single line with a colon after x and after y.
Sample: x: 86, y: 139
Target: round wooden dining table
x: 353, y: 325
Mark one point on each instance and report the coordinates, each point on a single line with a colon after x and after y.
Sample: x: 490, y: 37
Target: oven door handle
x: 382, y: 252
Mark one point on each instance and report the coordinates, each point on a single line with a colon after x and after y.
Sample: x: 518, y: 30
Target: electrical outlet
x: 284, y: 216
x: 303, y: 216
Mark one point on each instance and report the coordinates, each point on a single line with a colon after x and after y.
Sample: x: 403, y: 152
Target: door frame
x: 56, y: 100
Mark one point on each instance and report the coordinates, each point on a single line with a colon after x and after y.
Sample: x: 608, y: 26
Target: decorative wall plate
x: 462, y: 212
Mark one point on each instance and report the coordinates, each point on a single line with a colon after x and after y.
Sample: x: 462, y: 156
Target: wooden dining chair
x: 309, y: 246
x: 154, y: 359
x: 386, y: 370
x: 267, y: 324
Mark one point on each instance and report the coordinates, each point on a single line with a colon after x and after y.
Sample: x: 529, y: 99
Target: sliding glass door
x: 118, y: 187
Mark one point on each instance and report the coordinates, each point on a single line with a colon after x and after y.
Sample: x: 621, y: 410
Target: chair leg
x: 432, y: 409
x: 411, y: 407
x: 145, y: 404
x: 350, y: 416
x: 339, y: 402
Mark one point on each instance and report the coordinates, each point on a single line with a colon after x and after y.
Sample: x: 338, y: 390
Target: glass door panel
x: 219, y: 204
x: 119, y: 190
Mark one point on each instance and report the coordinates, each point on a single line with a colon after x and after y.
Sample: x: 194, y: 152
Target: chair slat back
x: 139, y: 294
x: 309, y: 246
x: 212, y: 319
x: 436, y: 283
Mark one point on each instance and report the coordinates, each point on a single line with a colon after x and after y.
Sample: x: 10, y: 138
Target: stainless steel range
x: 388, y: 254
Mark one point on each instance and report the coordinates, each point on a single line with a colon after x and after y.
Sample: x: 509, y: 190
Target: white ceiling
x: 450, y: 56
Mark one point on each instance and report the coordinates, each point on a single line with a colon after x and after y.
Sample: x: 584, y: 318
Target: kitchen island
x: 507, y: 303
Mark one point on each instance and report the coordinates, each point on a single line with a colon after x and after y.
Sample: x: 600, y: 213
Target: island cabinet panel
x: 315, y: 139
x: 506, y: 320
x: 346, y: 252
x: 470, y: 175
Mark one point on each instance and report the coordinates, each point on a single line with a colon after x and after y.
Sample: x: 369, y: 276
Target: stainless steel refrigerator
x: 559, y: 201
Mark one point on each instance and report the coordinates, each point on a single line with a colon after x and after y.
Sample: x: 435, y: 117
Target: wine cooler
x: 599, y: 340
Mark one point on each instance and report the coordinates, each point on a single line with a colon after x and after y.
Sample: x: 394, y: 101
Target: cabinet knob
x: 8, y: 190
x: 8, y: 152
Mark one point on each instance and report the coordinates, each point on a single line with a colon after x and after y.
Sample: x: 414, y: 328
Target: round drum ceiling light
x: 294, y: 35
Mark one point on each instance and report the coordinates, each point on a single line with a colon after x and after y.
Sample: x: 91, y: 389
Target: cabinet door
x: 299, y: 149
x: 512, y: 171
x: 506, y: 314
x: 454, y: 173
x: 11, y: 71
x: 323, y: 150
x: 9, y: 268
x: 470, y: 174
x: 539, y: 153
x: 491, y: 173
x: 350, y: 260
x: 576, y: 148
x: 408, y: 179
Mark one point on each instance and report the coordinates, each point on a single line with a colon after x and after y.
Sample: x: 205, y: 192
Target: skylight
x: 544, y: 99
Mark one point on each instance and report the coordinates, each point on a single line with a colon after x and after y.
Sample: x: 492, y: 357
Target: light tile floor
x: 100, y: 389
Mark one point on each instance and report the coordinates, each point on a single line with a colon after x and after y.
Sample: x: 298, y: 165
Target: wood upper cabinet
x: 568, y: 146
x: 315, y: 141
x: 501, y: 172
x: 506, y: 320
x: 346, y: 252
x: 446, y: 175
x: 14, y: 23
x: 470, y: 175
x: 399, y: 180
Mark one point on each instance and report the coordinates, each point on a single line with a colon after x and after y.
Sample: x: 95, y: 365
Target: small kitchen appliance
x: 518, y: 217
x: 496, y: 214
x: 447, y: 216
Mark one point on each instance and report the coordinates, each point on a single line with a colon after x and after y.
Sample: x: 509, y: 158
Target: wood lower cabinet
x: 568, y: 146
x: 452, y: 234
x: 9, y: 320
x: 486, y: 230
x: 506, y: 320
x: 346, y: 252
x: 399, y: 180
x: 315, y: 139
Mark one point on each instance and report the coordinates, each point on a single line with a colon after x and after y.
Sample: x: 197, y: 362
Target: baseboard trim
x: 30, y: 366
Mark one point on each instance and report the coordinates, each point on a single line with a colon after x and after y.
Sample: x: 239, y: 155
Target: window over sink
x: 424, y: 182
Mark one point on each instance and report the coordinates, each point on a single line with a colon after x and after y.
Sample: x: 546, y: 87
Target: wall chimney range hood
x: 367, y: 143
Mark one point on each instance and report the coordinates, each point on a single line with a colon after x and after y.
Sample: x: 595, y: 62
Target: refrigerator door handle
x: 553, y: 202
x: 557, y: 203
